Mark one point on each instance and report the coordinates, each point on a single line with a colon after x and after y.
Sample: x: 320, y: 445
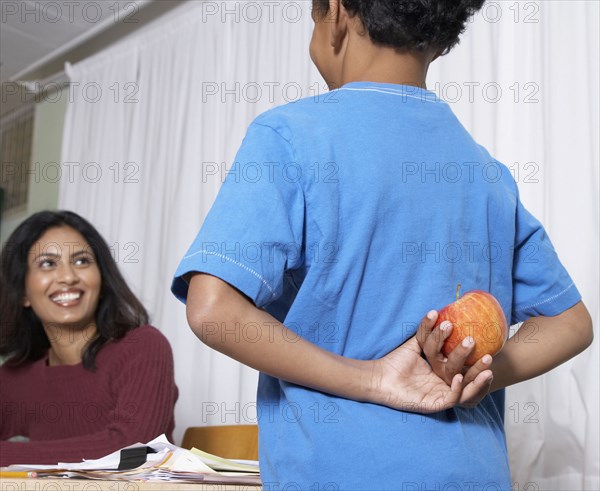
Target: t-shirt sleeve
x: 541, y: 284
x: 253, y: 233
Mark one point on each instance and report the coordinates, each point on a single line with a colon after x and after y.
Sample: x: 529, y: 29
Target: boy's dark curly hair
x: 411, y: 25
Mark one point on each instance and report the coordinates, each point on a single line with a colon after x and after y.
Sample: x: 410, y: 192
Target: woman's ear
x: 26, y: 302
x: 338, y: 24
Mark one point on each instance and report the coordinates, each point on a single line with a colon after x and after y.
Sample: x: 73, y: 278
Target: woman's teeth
x: 66, y: 297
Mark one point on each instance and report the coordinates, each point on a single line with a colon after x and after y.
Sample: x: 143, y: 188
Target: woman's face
x: 62, y: 284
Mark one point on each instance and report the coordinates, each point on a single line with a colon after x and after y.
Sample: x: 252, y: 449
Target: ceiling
x: 37, y: 37
x: 34, y: 31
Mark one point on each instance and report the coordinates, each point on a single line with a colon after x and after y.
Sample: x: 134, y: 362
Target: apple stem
x: 457, y: 291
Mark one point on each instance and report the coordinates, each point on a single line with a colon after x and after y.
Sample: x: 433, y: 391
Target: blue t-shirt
x: 349, y: 216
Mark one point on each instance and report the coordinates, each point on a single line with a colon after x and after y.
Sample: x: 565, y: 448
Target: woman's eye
x: 81, y: 261
x: 46, y: 263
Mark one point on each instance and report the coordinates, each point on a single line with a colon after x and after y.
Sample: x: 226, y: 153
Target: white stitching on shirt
x: 243, y: 266
x: 545, y: 301
x: 393, y: 92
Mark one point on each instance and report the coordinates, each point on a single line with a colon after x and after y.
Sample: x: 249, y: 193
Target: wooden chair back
x: 230, y: 442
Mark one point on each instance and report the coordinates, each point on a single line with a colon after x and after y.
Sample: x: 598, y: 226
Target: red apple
x: 477, y: 314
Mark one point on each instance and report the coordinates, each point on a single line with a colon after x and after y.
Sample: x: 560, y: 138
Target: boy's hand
x: 404, y: 380
x: 408, y: 382
x: 431, y: 340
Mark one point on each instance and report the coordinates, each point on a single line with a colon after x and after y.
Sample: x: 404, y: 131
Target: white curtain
x: 155, y: 121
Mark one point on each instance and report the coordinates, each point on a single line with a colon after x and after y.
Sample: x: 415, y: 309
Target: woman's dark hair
x: 22, y: 336
x: 411, y: 25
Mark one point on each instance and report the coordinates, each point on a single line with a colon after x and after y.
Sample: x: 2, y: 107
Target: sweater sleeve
x: 143, y: 380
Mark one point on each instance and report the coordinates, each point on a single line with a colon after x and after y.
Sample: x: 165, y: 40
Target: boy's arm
x: 227, y: 321
x: 541, y: 344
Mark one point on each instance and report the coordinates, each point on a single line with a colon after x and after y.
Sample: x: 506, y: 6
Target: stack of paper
x: 159, y: 461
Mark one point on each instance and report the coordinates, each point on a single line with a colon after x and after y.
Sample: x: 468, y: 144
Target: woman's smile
x: 67, y: 298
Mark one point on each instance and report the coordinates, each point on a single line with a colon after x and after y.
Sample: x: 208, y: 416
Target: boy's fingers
x: 484, y: 363
x: 456, y: 359
x: 426, y: 326
x: 433, y: 349
x: 456, y: 390
x: 444, y: 331
x: 474, y: 392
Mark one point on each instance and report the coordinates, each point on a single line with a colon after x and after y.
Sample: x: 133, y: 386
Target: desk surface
x: 55, y: 484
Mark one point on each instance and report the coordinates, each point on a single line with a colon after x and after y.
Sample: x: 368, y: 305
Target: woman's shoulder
x: 23, y: 369
x: 147, y: 333
x: 142, y: 341
x: 14, y: 378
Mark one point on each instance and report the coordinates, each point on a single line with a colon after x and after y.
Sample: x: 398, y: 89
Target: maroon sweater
x: 70, y: 413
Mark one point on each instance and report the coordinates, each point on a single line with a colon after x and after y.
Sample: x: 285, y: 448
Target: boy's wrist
x: 370, y: 381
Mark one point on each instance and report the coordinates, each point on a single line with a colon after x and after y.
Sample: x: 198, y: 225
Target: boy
x: 340, y: 238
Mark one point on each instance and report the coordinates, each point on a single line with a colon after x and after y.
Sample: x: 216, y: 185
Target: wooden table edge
x: 63, y: 484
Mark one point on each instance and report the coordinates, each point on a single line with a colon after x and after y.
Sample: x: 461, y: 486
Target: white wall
x: 45, y: 160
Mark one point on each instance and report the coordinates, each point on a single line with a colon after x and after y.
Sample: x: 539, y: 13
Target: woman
x: 85, y: 374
